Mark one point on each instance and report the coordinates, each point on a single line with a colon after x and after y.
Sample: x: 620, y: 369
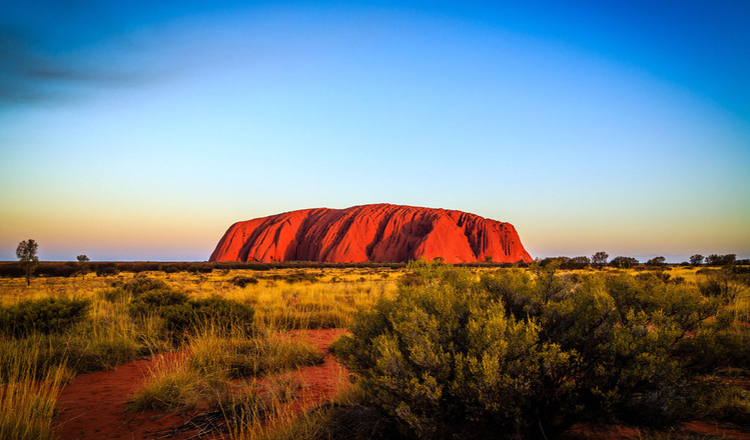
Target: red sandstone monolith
x: 379, y: 233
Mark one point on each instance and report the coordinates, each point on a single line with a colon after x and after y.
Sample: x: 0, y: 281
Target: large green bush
x: 45, y: 315
x: 526, y: 355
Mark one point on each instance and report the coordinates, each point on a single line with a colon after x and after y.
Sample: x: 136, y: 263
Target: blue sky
x: 142, y: 130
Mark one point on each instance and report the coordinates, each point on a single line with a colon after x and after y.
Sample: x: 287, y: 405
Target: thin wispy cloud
x: 52, y: 50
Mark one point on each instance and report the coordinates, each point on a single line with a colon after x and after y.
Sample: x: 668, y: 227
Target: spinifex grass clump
x: 45, y: 315
x: 28, y: 395
x: 521, y: 354
x: 175, y: 386
x: 240, y: 357
x: 216, y: 313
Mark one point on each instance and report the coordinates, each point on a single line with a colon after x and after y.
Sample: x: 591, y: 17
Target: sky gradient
x: 142, y: 131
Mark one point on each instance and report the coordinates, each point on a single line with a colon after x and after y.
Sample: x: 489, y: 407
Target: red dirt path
x: 93, y: 405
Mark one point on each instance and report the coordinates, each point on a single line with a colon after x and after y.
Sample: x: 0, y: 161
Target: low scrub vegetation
x: 108, y: 268
x: 74, y: 326
x: 239, y: 357
x: 528, y: 354
x: 480, y: 351
x: 214, y: 312
x: 45, y: 315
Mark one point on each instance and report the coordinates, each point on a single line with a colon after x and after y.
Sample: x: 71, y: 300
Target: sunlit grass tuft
x: 28, y: 394
x: 240, y: 357
x: 174, y: 385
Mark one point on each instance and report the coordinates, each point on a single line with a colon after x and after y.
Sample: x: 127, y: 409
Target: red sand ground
x: 93, y: 405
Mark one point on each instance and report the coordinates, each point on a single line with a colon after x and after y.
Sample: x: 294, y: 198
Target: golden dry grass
x: 27, y: 395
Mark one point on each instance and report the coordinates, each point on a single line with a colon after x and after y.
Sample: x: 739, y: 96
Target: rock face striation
x: 380, y: 233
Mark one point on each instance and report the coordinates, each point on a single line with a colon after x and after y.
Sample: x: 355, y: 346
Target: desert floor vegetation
x: 59, y: 327
x: 437, y: 351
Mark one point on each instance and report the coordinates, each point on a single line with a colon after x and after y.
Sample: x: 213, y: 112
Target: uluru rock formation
x: 379, y: 233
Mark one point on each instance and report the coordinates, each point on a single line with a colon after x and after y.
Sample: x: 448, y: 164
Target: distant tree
x: 26, y: 253
x: 624, y: 262
x: 581, y: 262
x: 488, y: 258
x: 656, y: 261
x: 696, y: 260
x: 82, y: 266
x: 721, y: 260
x: 599, y: 259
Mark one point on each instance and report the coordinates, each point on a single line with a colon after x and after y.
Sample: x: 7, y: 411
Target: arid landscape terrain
x: 204, y: 351
x: 374, y: 220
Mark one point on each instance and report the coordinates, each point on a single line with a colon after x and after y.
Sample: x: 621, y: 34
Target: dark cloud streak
x: 46, y: 53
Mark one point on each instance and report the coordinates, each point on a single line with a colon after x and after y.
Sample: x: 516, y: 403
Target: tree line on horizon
x: 29, y: 265
x: 601, y: 259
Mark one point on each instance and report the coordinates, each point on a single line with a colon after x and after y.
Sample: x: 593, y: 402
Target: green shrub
x: 725, y: 284
x: 713, y: 349
x: 155, y: 301
x: 242, y: 281
x: 45, y: 315
x: 183, y: 315
x: 525, y: 355
x: 141, y: 284
x: 218, y: 313
x: 354, y: 422
x: 151, y: 295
